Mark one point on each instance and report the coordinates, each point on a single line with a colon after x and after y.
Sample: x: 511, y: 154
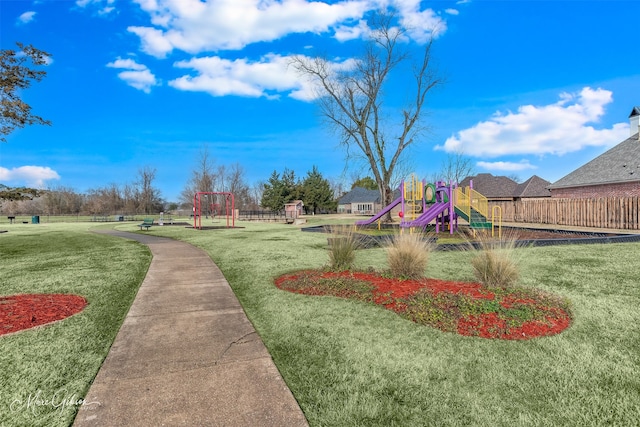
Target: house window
x: 365, y: 207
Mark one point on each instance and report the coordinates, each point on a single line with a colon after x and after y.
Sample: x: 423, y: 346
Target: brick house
x: 360, y: 201
x: 615, y: 173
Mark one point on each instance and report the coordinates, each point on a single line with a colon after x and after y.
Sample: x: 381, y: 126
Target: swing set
x: 212, y: 208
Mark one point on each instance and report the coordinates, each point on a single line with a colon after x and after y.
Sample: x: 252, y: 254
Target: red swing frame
x: 197, y: 207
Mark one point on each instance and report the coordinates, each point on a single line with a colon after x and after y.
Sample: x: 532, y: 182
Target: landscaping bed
x: 25, y: 311
x: 469, y: 309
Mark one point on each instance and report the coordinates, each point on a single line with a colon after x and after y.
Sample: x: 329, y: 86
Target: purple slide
x: 380, y: 214
x: 430, y: 214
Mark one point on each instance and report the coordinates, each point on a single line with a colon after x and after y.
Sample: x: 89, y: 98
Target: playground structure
x: 422, y: 203
x: 213, y: 208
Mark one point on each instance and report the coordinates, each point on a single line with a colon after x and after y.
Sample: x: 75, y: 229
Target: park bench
x: 147, y: 223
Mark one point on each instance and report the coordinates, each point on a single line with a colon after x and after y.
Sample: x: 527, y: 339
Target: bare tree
x: 456, y: 167
x: 62, y: 201
x: 130, y: 199
x: 203, y: 177
x: 104, y: 200
x: 351, y: 99
x: 515, y: 177
x: 149, y: 200
x: 256, y: 192
x: 238, y: 186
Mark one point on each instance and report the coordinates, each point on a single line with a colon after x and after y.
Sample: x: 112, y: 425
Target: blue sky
x: 533, y: 87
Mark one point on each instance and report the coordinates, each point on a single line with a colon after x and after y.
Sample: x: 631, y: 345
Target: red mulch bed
x: 24, y: 311
x: 468, y: 309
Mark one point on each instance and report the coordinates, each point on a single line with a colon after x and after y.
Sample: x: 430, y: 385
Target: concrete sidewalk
x: 186, y: 353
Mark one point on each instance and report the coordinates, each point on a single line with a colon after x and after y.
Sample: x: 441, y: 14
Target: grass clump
x: 408, y: 255
x: 495, y: 265
x: 342, y: 248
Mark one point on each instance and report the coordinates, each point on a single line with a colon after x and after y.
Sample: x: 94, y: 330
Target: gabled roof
x: 619, y: 164
x: 490, y: 186
x: 360, y: 195
x: 533, y: 187
x: 635, y: 112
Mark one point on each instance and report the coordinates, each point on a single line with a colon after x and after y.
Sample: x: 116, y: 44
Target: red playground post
x: 229, y: 206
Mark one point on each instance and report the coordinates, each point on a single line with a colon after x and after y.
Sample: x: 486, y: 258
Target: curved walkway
x: 186, y: 353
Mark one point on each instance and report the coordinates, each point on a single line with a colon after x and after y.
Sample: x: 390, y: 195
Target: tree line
x: 143, y: 197
x: 138, y: 197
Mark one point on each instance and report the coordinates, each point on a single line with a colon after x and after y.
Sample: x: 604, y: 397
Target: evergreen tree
x: 317, y: 192
x: 278, y: 191
x: 366, y: 182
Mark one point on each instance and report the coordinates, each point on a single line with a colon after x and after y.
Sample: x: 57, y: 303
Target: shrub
x: 408, y: 255
x: 342, y: 248
x: 495, y: 265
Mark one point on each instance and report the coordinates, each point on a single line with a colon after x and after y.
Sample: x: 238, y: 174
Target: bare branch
x: 352, y: 99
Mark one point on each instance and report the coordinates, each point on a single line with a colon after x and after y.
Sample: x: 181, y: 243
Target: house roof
x: 491, y: 186
x: 635, y: 112
x: 533, y: 187
x: 619, y: 164
x: 360, y: 195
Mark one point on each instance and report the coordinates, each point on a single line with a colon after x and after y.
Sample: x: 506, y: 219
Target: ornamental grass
x: 408, y: 255
x: 343, y: 244
x: 495, y: 265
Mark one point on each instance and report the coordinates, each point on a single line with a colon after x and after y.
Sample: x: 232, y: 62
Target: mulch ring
x: 469, y: 309
x: 25, y: 311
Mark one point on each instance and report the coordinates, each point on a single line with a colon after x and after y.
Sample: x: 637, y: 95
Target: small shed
x: 293, y: 210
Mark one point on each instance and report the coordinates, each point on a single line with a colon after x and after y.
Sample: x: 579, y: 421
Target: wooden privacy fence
x: 604, y: 212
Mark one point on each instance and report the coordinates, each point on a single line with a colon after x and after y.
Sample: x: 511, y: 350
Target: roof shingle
x: 620, y: 164
x: 533, y: 187
x: 491, y: 186
x: 360, y: 195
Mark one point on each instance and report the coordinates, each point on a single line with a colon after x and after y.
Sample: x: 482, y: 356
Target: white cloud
x: 32, y: 176
x: 452, y: 11
x: 560, y: 128
x: 351, y: 32
x: 242, y: 77
x: 195, y: 26
x: 26, y: 17
x: 135, y: 75
x: 420, y: 24
x: 507, y: 166
x: 268, y: 77
x: 127, y: 63
x: 104, y: 7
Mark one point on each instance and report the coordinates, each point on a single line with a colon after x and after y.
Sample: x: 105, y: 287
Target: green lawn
x: 350, y: 363
x: 43, y: 368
